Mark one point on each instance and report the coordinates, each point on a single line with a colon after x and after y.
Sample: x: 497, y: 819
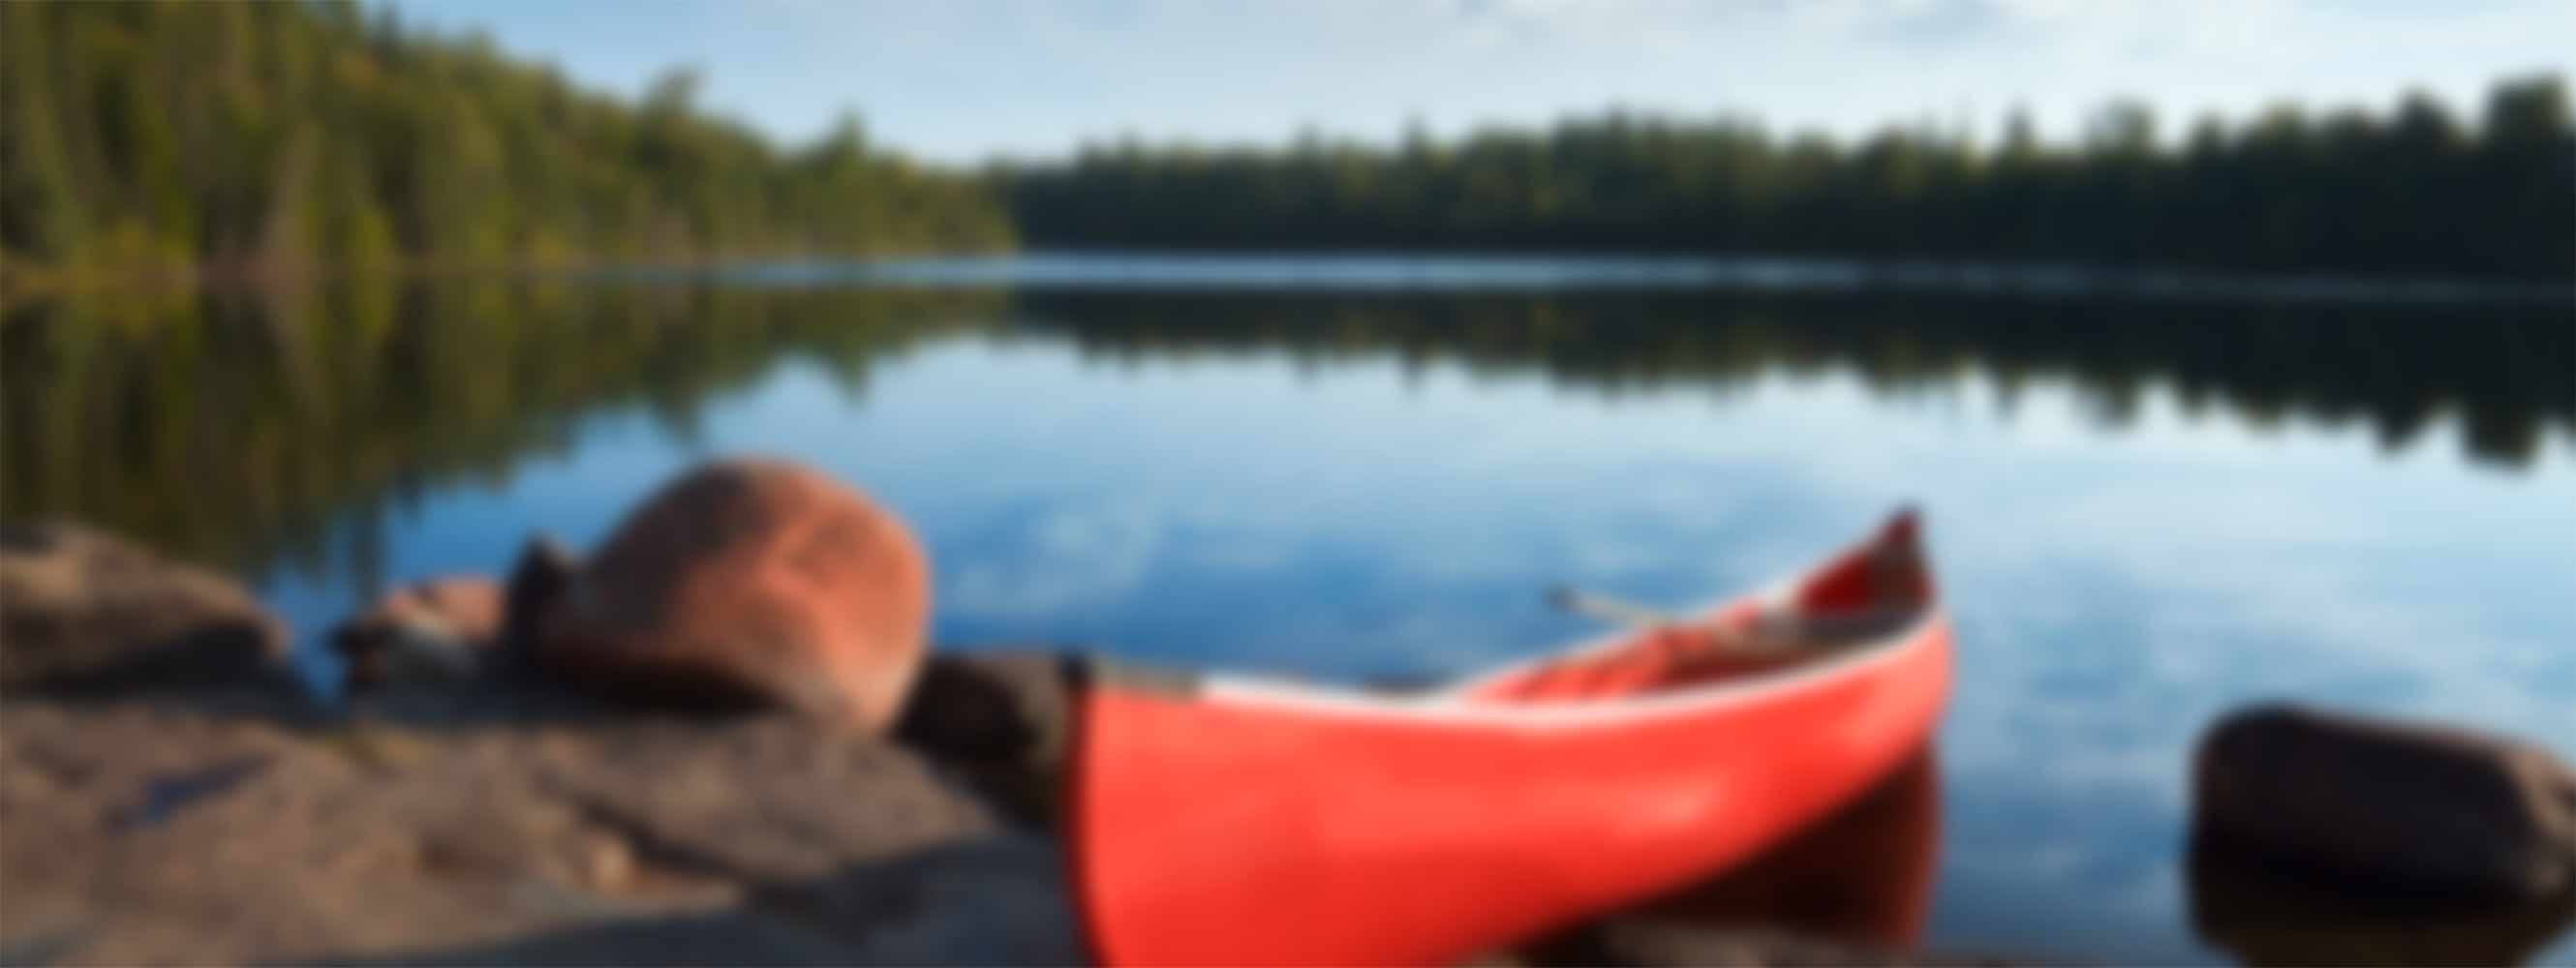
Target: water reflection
x: 247, y: 428
x: 2266, y: 916
x: 1862, y: 875
x: 2144, y: 514
x: 2501, y: 369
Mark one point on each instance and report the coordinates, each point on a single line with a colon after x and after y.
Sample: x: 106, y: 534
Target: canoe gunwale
x: 1457, y: 702
x: 1455, y: 705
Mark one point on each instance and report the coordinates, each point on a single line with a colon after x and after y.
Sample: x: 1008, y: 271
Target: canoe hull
x: 1242, y: 823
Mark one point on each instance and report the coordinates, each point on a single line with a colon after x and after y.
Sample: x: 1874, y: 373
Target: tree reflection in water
x: 1862, y: 875
x: 248, y: 429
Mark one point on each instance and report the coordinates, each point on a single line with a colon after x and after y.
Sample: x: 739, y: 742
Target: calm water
x: 2146, y: 510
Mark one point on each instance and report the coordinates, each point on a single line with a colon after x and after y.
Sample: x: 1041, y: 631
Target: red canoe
x: 1228, y: 821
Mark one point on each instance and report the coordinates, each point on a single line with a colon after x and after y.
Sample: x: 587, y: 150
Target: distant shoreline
x: 1387, y: 271
x: 1485, y: 271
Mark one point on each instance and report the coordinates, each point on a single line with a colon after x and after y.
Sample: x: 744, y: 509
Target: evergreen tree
x: 2348, y: 192
x: 293, y: 136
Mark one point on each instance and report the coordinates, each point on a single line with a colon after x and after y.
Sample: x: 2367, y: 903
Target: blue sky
x: 963, y: 80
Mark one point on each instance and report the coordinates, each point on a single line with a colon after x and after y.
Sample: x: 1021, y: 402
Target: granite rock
x: 83, y: 613
x: 748, y: 582
x: 2400, y: 805
x: 487, y: 825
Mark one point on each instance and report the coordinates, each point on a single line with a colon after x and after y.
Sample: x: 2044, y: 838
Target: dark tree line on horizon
x: 168, y: 137
x: 2417, y: 190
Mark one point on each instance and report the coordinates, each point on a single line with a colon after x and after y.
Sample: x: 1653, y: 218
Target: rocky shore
x: 169, y: 793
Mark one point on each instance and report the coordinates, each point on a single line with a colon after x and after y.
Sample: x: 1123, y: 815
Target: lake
x: 2149, y: 500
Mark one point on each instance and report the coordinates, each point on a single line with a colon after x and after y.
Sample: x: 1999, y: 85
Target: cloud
x: 1061, y: 557
x: 963, y: 80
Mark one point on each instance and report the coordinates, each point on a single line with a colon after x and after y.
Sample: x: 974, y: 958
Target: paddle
x: 1605, y: 608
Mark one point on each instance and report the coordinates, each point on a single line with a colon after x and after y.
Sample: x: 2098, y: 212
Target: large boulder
x: 2389, y: 803
x: 85, y: 613
x: 749, y: 581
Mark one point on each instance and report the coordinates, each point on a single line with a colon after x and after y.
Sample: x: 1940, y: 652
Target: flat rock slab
x: 492, y: 829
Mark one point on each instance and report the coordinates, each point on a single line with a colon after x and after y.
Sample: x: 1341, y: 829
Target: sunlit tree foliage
x: 166, y: 137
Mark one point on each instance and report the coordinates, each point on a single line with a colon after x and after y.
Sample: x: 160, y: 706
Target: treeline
x: 2419, y: 190
x: 282, y: 136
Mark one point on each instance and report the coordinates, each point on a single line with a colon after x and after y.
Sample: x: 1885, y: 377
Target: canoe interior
x: 1865, y: 597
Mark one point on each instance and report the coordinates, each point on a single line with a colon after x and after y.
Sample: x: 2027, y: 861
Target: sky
x: 970, y: 80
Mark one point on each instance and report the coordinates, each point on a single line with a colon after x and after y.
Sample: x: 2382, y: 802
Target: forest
x: 2418, y: 190
x: 241, y: 139
x: 173, y: 138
